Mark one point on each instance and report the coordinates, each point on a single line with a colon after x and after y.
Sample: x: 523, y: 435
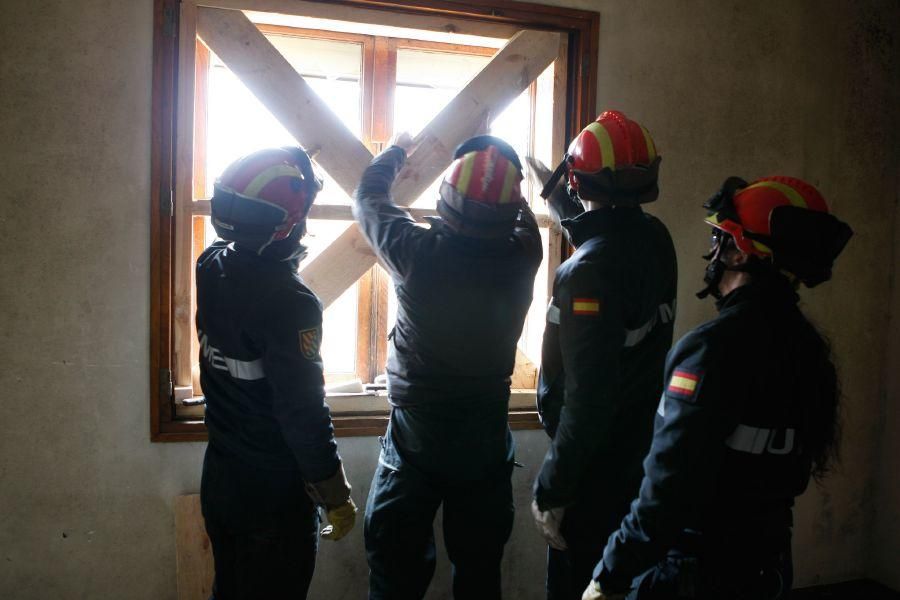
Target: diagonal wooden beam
x: 501, y: 81
x: 285, y: 93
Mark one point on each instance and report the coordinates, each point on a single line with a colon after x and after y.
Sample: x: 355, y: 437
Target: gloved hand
x: 593, y: 592
x: 334, y: 495
x: 341, y: 520
x: 548, y: 523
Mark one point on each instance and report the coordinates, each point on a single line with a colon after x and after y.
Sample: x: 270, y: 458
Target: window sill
x: 353, y: 415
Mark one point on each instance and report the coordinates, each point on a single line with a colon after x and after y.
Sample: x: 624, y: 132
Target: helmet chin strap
x: 715, y: 270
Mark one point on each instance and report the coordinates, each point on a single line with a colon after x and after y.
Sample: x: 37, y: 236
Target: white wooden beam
x: 290, y: 99
x: 501, y: 81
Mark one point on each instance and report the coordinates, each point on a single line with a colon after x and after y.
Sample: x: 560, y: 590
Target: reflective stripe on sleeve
x: 248, y: 370
x: 756, y: 440
x: 664, y: 314
x: 661, y: 409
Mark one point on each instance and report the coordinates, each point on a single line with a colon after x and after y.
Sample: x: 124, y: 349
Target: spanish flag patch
x: 589, y: 307
x: 683, y: 383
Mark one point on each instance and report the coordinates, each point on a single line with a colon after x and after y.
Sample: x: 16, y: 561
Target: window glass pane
x: 426, y: 82
x: 339, y: 330
x: 543, y: 133
x: 238, y: 123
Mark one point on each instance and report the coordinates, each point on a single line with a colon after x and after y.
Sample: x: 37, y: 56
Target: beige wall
x: 804, y: 88
x: 885, y: 549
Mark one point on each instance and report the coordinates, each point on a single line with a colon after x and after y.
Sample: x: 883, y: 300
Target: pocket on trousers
x: 388, y: 458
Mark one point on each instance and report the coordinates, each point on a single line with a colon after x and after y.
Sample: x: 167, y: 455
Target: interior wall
x: 802, y: 88
x: 885, y: 549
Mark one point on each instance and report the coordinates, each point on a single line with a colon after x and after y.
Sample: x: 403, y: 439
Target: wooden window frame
x: 581, y: 29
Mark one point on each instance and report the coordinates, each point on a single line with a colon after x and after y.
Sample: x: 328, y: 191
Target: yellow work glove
x: 341, y: 520
x: 333, y: 494
x: 593, y: 592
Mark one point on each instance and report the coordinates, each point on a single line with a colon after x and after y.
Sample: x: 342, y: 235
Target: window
x: 378, y: 72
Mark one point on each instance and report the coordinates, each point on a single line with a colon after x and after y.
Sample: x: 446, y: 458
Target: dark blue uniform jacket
x: 462, y: 301
x: 727, y: 457
x: 260, y: 330
x: 609, y: 326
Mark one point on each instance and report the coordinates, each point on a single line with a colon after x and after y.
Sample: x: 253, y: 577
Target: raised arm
x: 389, y: 229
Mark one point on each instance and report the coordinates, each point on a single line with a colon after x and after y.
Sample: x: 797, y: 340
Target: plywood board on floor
x: 193, y: 552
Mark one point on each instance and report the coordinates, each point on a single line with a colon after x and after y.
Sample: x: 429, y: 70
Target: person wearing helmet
x: 271, y: 458
x: 464, y: 287
x: 749, y: 413
x: 609, y: 326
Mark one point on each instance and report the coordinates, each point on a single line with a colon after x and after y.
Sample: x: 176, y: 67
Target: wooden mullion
x: 384, y: 84
x: 367, y: 96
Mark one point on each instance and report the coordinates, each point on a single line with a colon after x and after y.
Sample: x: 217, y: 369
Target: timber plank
x: 193, y: 552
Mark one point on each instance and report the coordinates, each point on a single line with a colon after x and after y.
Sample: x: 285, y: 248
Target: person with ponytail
x: 750, y: 411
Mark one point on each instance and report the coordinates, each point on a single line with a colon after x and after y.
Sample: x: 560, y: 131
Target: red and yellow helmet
x: 613, y: 159
x: 782, y: 220
x: 481, y: 193
x: 748, y: 216
x: 486, y: 176
x: 261, y: 197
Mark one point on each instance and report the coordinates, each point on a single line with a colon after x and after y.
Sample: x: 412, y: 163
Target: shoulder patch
x: 586, y: 307
x: 311, y: 342
x: 683, y: 383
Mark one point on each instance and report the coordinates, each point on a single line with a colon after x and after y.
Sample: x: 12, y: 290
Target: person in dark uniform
x: 464, y: 287
x: 272, y: 457
x: 609, y: 327
x: 749, y: 412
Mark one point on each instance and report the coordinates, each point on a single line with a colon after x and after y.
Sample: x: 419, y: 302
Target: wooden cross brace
x: 269, y: 76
